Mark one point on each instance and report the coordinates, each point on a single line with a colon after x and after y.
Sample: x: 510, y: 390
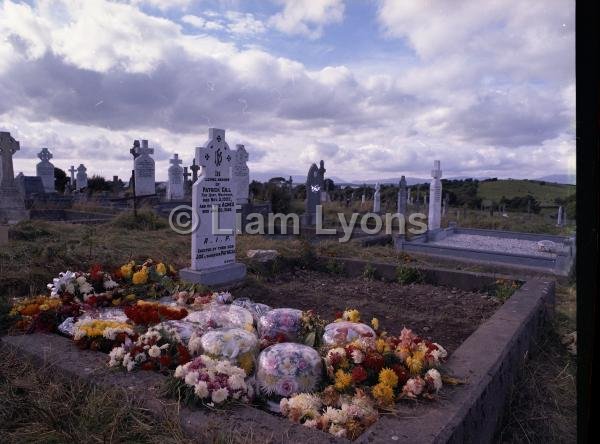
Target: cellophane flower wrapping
x: 257, y: 309
x: 240, y: 347
x: 287, y: 368
x: 341, y: 333
x: 280, y: 325
x: 221, y: 316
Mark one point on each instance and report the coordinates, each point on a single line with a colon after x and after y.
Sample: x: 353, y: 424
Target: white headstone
x: 45, y: 170
x: 435, y: 197
x: 175, y: 189
x: 82, y: 179
x: 240, y: 175
x: 213, y: 254
x: 377, y: 199
x: 145, y: 183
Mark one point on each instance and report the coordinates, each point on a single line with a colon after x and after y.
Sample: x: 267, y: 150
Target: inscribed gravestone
x: 435, y: 200
x: 213, y: 254
x: 313, y: 195
x: 240, y: 175
x: 12, y: 206
x: 82, y: 179
x: 377, y: 199
x: 45, y: 170
x: 143, y: 165
x: 175, y: 180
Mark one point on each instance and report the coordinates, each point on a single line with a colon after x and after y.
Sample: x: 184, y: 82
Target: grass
x: 544, y: 194
x: 35, y: 407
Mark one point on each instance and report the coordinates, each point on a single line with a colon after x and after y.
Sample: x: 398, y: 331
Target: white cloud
x: 235, y: 23
x: 202, y: 23
x: 307, y: 17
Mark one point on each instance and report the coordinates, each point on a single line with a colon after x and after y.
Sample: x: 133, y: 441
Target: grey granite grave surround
x: 439, y: 243
x: 488, y: 361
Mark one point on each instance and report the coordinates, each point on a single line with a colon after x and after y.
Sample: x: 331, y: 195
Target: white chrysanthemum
x: 441, y: 350
x: 311, y: 423
x: 201, y: 390
x: 81, y: 280
x: 195, y: 344
x: 180, y: 371
x: 219, y: 395
x: 154, y: 351
x: 235, y: 382
x: 337, y: 430
x: 435, y: 376
x: 109, y: 284
x: 140, y: 357
x: 85, y: 288
x: 191, y: 378
x: 336, y: 416
x: 357, y: 356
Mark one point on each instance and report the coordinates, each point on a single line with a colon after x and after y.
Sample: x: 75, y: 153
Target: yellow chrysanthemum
x: 161, y: 269
x: 383, y: 393
x: 415, y: 363
x: 351, y: 315
x: 246, y: 362
x: 380, y: 345
x: 342, y: 380
x: 388, y: 376
x: 375, y: 323
x: 126, y: 270
x: 140, y: 277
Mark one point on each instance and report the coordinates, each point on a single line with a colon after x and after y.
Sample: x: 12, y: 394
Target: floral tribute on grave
x: 337, y: 377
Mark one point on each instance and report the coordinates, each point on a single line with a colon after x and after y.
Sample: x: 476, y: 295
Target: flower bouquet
x: 255, y: 308
x: 238, y: 346
x: 289, y: 325
x: 198, y: 300
x: 101, y: 335
x: 148, y: 279
x: 287, y: 368
x: 221, y: 316
x: 344, y: 416
x: 341, y: 333
x: 41, y: 313
x: 150, y: 313
x: 210, y: 382
x: 160, y: 348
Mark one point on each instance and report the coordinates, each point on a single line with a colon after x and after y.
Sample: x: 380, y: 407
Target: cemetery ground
x: 36, y: 403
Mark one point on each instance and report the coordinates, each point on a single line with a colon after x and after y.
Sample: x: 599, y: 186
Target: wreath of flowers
x: 41, y: 313
x: 160, y: 348
x: 151, y: 313
x: 101, y: 334
x: 211, y: 382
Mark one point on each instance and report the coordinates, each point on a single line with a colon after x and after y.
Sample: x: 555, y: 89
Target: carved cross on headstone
x: 8, y: 147
x: 215, y: 159
x: 135, y: 149
x: 72, y: 171
x: 45, y: 155
x: 144, y: 149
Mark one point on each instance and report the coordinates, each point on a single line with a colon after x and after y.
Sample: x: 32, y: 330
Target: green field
x: 544, y: 194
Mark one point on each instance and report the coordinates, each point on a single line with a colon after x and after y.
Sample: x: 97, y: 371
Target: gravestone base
x: 224, y: 274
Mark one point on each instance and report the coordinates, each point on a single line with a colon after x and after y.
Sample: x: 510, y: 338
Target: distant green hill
x: 543, y: 192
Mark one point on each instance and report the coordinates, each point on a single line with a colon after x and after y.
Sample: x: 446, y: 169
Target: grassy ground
x: 545, y: 194
x: 541, y: 406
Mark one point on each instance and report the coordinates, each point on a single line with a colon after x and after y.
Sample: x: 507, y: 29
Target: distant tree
x: 60, y: 180
x: 279, y: 197
x: 97, y: 184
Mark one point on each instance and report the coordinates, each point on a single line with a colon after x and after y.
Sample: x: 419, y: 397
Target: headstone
x: 29, y: 186
x: 12, y: 206
x: 418, y: 198
x: 213, y: 254
x: 194, y: 167
x: 435, y: 201
x: 175, y: 179
x: 322, y: 171
x: 377, y: 199
x: 313, y: 195
x: 402, y: 196
x: 82, y: 179
x: 72, y: 178
x: 560, y: 217
x: 409, y: 196
x: 116, y: 186
x: 45, y: 170
x: 143, y: 165
x: 240, y: 175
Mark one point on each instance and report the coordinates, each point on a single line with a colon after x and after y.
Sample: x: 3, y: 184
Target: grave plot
x: 374, y: 387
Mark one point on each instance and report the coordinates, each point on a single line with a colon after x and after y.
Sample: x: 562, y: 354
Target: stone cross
x: 194, y: 169
x: 175, y: 179
x: 144, y: 168
x: 435, y: 199
x: 240, y: 175
x: 402, y: 196
x: 322, y: 171
x: 45, y: 170
x: 12, y: 206
x: 186, y: 174
x: 72, y: 171
x: 213, y: 246
x: 377, y: 199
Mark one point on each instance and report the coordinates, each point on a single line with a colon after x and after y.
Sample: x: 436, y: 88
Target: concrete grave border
x: 489, y: 360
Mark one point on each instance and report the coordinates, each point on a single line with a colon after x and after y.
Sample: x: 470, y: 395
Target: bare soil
x: 444, y: 315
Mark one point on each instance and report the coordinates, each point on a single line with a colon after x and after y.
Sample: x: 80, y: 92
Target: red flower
x: 401, y: 373
x: 338, y: 315
x: 165, y: 360
x: 374, y: 361
x: 359, y: 374
x: 148, y: 365
x: 184, y: 354
x: 96, y: 273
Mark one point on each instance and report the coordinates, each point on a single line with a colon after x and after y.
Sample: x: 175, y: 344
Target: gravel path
x: 490, y: 243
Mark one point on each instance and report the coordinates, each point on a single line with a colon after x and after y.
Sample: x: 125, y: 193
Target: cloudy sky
x: 376, y: 88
